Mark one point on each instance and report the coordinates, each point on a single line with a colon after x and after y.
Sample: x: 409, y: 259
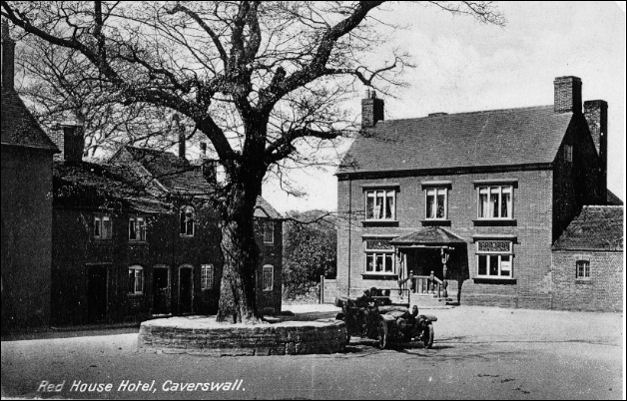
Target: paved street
x: 479, y: 352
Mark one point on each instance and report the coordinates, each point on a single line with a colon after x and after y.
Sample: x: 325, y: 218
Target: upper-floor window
x: 436, y: 203
x: 206, y: 277
x: 568, y: 153
x: 582, y: 269
x: 380, y: 204
x: 379, y: 256
x: 135, y: 280
x: 495, y: 202
x: 494, y: 259
x: 268, y: 232
x: 102, y: 227
x: 187, y: 220
x: 137, y: 228
x: 267, y: 278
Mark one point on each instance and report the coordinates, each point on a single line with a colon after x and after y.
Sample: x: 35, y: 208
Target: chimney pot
x: 567, y: 94
x: 73, y: 142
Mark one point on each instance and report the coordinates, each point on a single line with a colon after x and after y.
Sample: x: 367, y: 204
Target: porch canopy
x: 428, y: 237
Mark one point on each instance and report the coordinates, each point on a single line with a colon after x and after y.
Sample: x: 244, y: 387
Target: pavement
x: 479, y: 352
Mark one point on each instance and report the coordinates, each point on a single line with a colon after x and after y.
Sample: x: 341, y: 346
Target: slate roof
x: 428, y: 236
x: 173, y: 172
x: 88, y: 184
x: 180, y: 176
x: 485, y: 138
x: 596, y: 228
x: 612, y: 199
x: 263, y: 209
x: 19, y: 127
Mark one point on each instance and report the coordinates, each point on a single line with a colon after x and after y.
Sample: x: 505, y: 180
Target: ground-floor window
x: 582, y: 269
x: 494, y: 259
x: 135, y: 280
x: 206, y: 277
x: 379, y: 256
x: 267, y: 278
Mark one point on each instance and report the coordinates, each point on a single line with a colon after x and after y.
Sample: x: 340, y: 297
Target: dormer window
x: 380, y: 204
x: 187, y: 221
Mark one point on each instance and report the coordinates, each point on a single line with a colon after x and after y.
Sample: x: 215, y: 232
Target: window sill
x: 494, y: 222
x: 186, y: 236
x: 137, y: 242
x: 103, y: 240
x: 494, y: 280
x: 135, y: 295
x: 583, y: 281
x: 436, y: 222
x: 375, y: 276
x: 388, y: 223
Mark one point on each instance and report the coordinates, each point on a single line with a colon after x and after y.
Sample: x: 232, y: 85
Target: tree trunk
x: 241, y: 258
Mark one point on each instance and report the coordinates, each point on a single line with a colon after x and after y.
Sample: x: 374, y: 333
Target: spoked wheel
x: 427, y: 336
x: 382, y: 334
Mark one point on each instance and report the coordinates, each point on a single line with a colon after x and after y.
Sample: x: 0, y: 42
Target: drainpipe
x: 350, y: 229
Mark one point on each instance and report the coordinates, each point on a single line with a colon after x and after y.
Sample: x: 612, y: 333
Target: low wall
x: 205, y: 336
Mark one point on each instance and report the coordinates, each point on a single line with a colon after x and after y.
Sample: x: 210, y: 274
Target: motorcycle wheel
x: 382, y: 334
x: 427, y: 336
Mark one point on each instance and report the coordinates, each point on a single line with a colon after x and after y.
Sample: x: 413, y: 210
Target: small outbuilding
x: 588, y: 261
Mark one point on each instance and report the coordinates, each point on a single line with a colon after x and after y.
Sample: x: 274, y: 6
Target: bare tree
x: 256, y: 78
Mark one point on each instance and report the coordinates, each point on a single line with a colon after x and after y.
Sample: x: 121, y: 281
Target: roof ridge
x: 604, y: 206
x: 470, y: 112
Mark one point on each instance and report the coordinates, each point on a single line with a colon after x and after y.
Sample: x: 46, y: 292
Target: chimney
x: 8, y: 57
x: 73, y: 141
x: 567, y: 94
x: 595, y: 112
x: 371, y: 109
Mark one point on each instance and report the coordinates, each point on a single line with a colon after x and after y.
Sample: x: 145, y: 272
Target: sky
x: 464, y: 65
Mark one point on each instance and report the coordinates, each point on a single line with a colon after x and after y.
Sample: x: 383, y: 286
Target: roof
x: 428, y: 236
x: 595, y: 228
x: 107, y: 184
x: 263, y: 209
x: 173, y: 172
x: 612, y: 199
x: 19, y: 127
x: 485, y: 138
x: 180, y: 176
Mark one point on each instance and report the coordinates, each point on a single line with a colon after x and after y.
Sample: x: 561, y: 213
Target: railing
x: 427, y: 284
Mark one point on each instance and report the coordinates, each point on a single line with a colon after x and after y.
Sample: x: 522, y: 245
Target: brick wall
x: 603, y: 291
x: 532, y: 230
x: 26, y: 236
x: 271, y: 254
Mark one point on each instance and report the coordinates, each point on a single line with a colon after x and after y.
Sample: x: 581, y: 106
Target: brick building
x: 487, y: 192
x: 26, y: 206
x: 137, y: 237
x: 588, y: 261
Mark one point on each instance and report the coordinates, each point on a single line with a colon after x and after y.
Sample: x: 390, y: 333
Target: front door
x: 161, y: 290
x: 186, y: 288
x: 96, y: 294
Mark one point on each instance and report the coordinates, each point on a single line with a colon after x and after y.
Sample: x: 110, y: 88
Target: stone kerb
x: 205, y: 336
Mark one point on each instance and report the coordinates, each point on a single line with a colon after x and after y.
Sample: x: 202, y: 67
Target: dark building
x: 26, y: 207
x: 476, y: 198
x: 137, y: 237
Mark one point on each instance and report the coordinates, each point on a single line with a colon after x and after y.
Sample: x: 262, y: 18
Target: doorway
x: 97, y: 294
x: 161, y: 290
x: 186, y: 289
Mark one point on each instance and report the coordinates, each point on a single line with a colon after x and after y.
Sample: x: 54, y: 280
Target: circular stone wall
x: 205, y: 336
